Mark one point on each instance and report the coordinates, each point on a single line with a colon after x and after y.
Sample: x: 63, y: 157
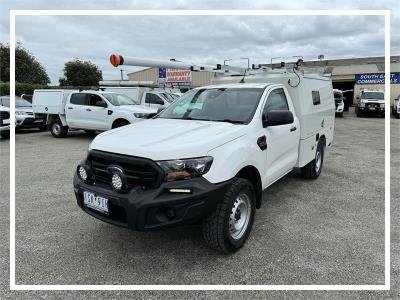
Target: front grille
x: 4, y: 115
x: 139, y: 172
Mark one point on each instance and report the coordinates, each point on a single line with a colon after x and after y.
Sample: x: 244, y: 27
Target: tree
x: 27, y: 68
x: 80, y: 73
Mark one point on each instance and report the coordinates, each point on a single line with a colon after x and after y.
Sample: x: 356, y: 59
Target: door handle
x: 293, y: 128
x: 69, y: 107
x: 88, y: 109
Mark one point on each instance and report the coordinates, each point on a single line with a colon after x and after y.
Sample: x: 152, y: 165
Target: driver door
x: 282, y: 140
x: 97, y: 112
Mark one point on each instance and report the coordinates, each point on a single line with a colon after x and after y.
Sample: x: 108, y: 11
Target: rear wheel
x: 229, y: 226
x: 57, y: 129
x: 313, y: 169
x: 397, y: 115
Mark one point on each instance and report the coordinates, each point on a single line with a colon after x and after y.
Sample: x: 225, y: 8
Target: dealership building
x: 351, y: 75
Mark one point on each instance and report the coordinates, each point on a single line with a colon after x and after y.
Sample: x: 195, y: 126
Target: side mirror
x: 101, y: 104
x: 277, y: 117
x: 159, y: 101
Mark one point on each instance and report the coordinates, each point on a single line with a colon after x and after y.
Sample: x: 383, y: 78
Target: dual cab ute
x: 209, y: 155
x: 371, y: 103
x: 87, y: 110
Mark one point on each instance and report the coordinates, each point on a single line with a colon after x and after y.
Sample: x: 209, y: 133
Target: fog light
x: 117, y: 182
x: 84, y: 173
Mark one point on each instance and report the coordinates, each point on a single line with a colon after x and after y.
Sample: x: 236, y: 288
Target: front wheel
x: 313, y: 169
x: 229, y: 226
x: 58, y: 130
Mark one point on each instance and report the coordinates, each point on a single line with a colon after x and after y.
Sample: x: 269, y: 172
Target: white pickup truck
x: 156, y: 98
x: 209, y: 156
x: 371, y: 102
x: 87, y: 110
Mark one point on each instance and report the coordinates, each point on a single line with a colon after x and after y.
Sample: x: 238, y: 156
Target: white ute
x: 209, y: 156
x: 339, y: 103
x: 87, y: 110
x: 153, y: 97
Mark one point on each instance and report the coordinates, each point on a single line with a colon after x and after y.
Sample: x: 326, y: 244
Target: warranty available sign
x: 174, y: 76
x: 376, y: 78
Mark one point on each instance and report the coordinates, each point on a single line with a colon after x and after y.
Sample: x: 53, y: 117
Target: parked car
x: 24, y: 117
x: 87, y: 110
x: 371, y: 103
x: 209, y: 155
x: 4, y: 121
x: 339, y: 103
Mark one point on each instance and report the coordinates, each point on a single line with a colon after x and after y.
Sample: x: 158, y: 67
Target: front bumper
x: 142, y: 210
x: 29, y: 122
x: 5, y: 125
x: 375, y: 110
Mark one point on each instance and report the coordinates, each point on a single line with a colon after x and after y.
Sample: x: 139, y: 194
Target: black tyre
x: 341, y: 115
x: 397, y: 116
x: 313, y: 169
x: 58, y: 130
x: 5, y: 134
x: 120, y: 123
x: 229, y: 226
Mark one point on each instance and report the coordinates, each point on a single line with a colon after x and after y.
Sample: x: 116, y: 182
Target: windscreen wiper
x: 229, y: 121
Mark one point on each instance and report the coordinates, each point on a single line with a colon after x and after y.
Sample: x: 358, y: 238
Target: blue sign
x: 376, y: 78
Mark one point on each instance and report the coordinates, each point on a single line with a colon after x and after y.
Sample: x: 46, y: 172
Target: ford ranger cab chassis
x: 208, y: 156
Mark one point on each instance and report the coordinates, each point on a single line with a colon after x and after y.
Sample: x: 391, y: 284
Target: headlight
x: 362, y: 104
x: 185, y: 168
x: 141, y: 115
x: 382, y: 105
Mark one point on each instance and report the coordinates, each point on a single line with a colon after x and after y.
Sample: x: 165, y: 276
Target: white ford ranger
x: 87, y: 110
x: 209, y: 155
x: 371, y: 103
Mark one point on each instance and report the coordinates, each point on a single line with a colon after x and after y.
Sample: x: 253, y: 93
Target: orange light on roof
x: 115, y: 60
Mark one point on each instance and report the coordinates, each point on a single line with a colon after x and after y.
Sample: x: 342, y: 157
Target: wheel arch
x: 119, y: 120
x: 252, y: 174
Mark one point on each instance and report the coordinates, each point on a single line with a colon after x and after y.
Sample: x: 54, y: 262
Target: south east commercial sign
x: 174, y: 77
x: 376, y: 78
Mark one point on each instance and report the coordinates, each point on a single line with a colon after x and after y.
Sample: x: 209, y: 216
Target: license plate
x: 96, y: 202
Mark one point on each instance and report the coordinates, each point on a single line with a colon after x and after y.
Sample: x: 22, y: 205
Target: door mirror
x: 101, y: 104
x: 277, y: 117
x: 159, y: 101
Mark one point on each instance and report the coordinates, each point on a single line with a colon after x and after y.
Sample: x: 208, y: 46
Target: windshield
x: 235, y: 105
x: 373, y: 95
x: 119, y: 99
x: 19, y: 102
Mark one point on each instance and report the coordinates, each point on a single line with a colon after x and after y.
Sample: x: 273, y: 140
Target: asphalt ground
x: 326, y: 231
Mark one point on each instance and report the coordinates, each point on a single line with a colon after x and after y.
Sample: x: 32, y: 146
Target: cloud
x: 57, y: 39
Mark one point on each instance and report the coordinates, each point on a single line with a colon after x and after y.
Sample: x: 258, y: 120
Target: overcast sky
x: 57, y: 39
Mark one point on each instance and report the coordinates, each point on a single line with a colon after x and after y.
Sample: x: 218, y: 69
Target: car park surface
x: 330, y: 231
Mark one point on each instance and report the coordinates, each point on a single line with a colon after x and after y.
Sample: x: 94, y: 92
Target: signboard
x: 174, y: 77
x: 376, y: 78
